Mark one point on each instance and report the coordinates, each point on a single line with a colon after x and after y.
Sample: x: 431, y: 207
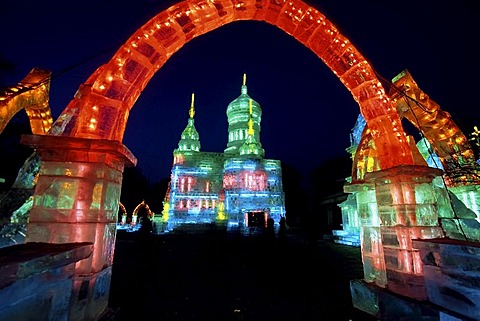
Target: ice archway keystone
x: 101, y: 106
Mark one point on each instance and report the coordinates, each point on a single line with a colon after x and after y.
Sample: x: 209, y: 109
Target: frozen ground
x: 233, y: 276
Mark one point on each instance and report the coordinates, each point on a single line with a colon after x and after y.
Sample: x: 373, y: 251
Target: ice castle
x: 236, y: 188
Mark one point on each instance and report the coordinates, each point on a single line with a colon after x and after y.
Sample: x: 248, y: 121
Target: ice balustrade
x: 91, y: 128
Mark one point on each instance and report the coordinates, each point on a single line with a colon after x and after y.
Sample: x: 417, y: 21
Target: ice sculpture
x: 78, y: 188
x: 403, y: 203
x: 225, y: 188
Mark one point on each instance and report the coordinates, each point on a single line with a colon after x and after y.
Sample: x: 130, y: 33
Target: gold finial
x: 192, y: 108
x: 244, y: 79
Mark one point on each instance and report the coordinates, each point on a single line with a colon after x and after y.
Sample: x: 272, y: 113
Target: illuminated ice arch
x: 101, y: 106
x: 144, y: 205
x: 443, y: 137
x: 78, y: 189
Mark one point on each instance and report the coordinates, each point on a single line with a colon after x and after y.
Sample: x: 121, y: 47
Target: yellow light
x: 192, y: 108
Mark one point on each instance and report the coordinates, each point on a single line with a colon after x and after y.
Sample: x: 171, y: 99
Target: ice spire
x: 190, y: 140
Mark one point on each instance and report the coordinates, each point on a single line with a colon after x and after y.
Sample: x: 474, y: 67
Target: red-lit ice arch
x: 101, y: 107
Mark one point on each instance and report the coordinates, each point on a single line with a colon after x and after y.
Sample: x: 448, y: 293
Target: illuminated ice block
x: 350, y: 219
x: 36, y: 280
x: 401, y: 237
x: 312, y: 19
x: 291, y: 16
x: 406, y: 198
x: 70, y: 199
x: 77, y: 194
x: 322, y: 37
x: 451, y: 274
x: 273, y: 10
x: 102, y: 235
x: 372, y: 255
x: 90, y: 295
x: 401, y: 260
x: 469, y: 195
x: 405, y: 195
x: 407, y: 284
x: 366, y: 203
x: 461, y: 228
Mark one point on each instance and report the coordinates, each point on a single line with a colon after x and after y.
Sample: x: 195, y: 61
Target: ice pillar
x: 76, y: 200
x: 370, y: 238
x: 407, y: 208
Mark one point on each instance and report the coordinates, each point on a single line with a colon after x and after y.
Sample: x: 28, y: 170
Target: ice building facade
x: 236, y: 188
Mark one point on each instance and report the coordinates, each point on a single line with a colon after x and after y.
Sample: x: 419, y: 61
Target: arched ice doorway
x: 83, y: 158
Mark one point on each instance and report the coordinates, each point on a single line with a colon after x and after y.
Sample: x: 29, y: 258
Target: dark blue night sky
x: 307, y: 113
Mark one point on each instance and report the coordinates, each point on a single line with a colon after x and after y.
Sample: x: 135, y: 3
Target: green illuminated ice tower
x: 252, y: 184
x: 190, y: 140
x: 239, y: 113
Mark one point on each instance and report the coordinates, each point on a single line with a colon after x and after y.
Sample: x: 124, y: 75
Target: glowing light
x: 192, y: 108
x: 92, y: 124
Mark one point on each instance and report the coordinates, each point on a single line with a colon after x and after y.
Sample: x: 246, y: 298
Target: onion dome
x: 238, y: 116
x: 190, y: 140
